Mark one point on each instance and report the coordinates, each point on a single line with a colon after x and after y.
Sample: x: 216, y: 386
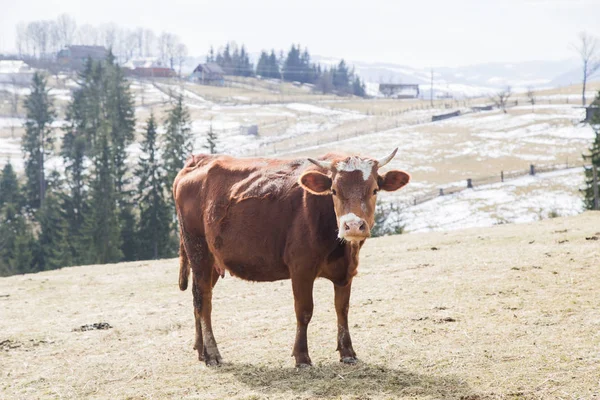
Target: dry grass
x: 500, y: 313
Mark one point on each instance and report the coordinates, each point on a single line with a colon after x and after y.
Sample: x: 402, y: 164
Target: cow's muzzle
x: 352, y: 228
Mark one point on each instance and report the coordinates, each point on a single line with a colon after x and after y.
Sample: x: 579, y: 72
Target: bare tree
x: 167, y: 43
x: 66, y: 28
x: 14, y: 105
x: 531, y: 97
x: 33, y: 35
x: 108, y: 34
x: 138, y: 34
x: 181, y: 53
x: 39, y: 33
x: 501, y: 97
x: 149, y: 42
x: 130, y: 44
x: 588, y: 50
x: 88, y: 35
x: 21, y: 39
x: 54, y: 39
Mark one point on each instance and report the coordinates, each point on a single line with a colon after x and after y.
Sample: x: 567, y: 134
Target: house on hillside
x: 399, y: 90
x: 153, y: 72
x: 591, y: 110
x: 148, y: 67
x: 74, y: 57
x: 15, y: 72
x: 209, y: 74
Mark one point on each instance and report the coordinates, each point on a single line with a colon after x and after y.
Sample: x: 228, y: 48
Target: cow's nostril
x: 362, y: 226
x: 346, y: 227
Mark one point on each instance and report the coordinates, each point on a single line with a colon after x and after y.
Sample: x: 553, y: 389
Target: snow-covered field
x: 525, y: 199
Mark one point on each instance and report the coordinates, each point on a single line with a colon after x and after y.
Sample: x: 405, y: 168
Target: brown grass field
x: 509, y: 312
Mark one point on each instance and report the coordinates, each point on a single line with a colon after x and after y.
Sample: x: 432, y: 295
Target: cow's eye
x: 333, y: 192
x: 375, y: 192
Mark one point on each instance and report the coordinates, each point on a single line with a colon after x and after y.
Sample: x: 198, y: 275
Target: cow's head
x: 353, y: 182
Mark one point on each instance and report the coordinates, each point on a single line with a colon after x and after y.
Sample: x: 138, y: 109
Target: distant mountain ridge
x: 471, y: 80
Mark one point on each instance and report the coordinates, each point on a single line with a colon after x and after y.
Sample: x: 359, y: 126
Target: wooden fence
x: 503, y: 176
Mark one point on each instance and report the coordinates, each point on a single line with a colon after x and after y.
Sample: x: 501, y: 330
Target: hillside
x: 294, y: 122
x: 489, y: 313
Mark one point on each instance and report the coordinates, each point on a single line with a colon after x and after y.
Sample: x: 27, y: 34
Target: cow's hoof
x: 213, y: 363
x: 303, y: 365
x: 349, y: 360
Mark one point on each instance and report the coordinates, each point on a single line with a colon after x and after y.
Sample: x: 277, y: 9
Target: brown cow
x: 266, y: 220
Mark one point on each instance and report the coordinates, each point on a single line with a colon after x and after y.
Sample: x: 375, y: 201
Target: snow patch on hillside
x: 525, y: 199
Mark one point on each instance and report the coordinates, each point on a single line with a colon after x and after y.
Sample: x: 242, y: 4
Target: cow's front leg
x: 342, y: 303
x: 303, y: 304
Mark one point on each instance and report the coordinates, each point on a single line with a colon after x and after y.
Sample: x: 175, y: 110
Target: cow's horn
x: 322, y: 164
x: 385, y: 160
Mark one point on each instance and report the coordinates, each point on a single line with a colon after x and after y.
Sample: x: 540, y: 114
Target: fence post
x: 532, y: 169
x: 501, y: 176
x: 441, y: 192
x: 469, y: 183
x: 595, y: 187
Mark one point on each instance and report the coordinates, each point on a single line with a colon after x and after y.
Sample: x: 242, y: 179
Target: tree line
x: 44, y: 38
x: 83, y: 201
x: 295, y: 66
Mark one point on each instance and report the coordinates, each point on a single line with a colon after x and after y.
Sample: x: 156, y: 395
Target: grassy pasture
x: 508, y: 312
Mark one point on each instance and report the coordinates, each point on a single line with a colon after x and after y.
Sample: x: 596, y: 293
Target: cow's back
x: 244, y: 208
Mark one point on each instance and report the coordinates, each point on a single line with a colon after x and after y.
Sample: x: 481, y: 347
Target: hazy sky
x: 416, y: 33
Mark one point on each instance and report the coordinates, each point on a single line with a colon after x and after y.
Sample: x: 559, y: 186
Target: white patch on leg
x: 356, y: 164
x: 350, y: 217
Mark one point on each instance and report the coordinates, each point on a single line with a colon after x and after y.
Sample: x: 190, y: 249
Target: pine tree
x: 9, y: 187
x: 211, y: 140
x: 245, y: 68
x: 76, y: 200
x: 593, y: 157
x: 210, y: 57
x: 273, y: 71
x: 17, y: 245
x: 292, y: 68
x: 53, y: 239
x: 101, y: 223
x: 358, y: 88
x: 341, y: 78
x: 263, y: 67
x: 325, y: 82
x: 121, y: 112
x: 37, y: 142
x: 178, y: 143
x: 155, y: 223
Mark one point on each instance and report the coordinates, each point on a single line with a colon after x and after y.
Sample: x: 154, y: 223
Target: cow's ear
x: 316, y: 183
x: 393, y: 180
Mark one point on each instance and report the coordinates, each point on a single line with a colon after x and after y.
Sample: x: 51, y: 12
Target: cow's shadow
x: 336, y: 379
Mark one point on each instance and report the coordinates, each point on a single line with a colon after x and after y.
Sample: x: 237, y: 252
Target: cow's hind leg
x: 204, y: 279
x: 342, y: 303
x: 303, y: 304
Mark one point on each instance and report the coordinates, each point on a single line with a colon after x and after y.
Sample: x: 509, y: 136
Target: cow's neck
x: 341, y: 258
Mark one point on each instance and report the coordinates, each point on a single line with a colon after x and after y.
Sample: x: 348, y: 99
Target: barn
x: 209, y: 74
x: 399, y: 90
x: 75, y: 56
x: 153, y: 72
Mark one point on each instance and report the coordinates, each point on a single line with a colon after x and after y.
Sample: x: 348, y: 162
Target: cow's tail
x: 184, y: 266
